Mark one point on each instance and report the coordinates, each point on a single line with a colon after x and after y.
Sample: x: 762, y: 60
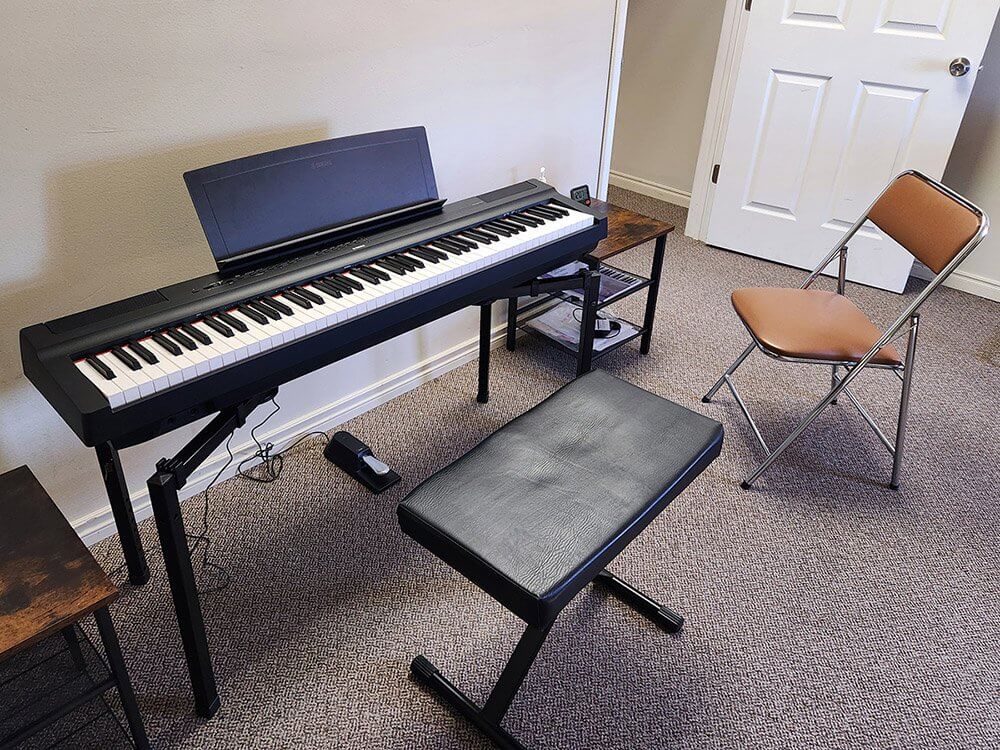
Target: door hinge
x: 747, y: 5
x: 715, y: 174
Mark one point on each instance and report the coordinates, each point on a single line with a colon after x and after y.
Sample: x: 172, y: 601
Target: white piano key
x: 109, y: 388
x: 130, y: 388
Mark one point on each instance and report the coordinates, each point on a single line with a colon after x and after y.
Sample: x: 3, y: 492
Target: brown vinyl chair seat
x: 810, y: 324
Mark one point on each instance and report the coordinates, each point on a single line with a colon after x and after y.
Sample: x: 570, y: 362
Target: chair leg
x: 904, y: 401
x: 833, y: 381
x: 707, y: 398
x: 487, y: 719
x: 793, y: 435
x: 665, y: 617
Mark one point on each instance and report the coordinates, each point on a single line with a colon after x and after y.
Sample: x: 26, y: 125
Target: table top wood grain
x: 627, y: 229
x: 48, y: 578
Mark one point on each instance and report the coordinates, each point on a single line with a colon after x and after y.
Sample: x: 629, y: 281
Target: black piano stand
x: 588, y: 280
x: 170, y: 477
x: 121, y: 509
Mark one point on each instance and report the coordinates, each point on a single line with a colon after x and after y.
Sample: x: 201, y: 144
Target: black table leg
x: 588, y: 322
x: 511, y: 323
x: 652, y: 291
x: 114, y: 653
x: 485, y: 334
x: 121, y: 509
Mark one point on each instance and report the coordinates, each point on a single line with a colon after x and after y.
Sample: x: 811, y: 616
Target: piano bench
x: 536, y: 511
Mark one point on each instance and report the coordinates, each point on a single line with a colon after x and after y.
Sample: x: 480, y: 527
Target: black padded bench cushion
x: 533, y: 513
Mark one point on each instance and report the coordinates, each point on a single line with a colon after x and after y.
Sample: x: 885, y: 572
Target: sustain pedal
x: 356, y: 459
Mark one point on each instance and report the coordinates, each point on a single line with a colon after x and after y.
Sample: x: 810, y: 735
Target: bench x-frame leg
x: 488, y: 717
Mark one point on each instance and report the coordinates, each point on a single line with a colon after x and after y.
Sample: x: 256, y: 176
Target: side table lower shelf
x: 560, y: 326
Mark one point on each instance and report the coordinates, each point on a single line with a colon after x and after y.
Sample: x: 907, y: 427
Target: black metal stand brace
x: 487, y: 719
x: 170, y: 477
x: 588, y: 280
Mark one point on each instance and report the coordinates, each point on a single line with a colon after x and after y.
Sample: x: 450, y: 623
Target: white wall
x: 669, y: 58
x: 105, y: 104
x: 974, y: 170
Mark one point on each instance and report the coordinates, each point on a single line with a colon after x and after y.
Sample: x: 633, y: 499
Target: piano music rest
x: 49, y: 581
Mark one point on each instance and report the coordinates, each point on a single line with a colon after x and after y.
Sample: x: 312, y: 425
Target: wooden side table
x: 626, y: 230
x: 49, y: 581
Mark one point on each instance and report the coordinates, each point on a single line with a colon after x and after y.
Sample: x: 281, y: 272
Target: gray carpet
x: 823, y: 611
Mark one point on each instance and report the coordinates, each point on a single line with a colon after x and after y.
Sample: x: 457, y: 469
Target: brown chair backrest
x: 932, y: 226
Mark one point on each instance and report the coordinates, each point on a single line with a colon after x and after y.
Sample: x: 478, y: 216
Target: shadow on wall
x: 121, y: 227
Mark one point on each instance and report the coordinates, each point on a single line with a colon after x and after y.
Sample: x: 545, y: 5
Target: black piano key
x: 539, y: 220
x: 265, y: 310
x: 253, y: 314
x: 556, y: 208
x: 494, y: 236
x: 439, y: 254
x: 438, y: 245
x: 490, y: 226
x: 234, y: 322
x: 125, y: 358
x: 535, y: 213
x: 364, y: 275
x: 425, y: 255
x: 481, y: 236
x: 451, y: 243
x: 378, y: 272
x: 329, y: 288
x: 411, y: 258
x: 338, y: 283
x: 181, y: 339
x: 143, y: 352
x: 218, y: 326
x: 310, y: 295
x: 405, y: 261
x: 456, y: 240
x: 276, y: 304
x: 106, y: 372
x: 525, y: 220
x: 469, y: 242
x: 354, y: 284
x: 541, y: 212
x: 167, y: 344
x: 393, y: 266
x: 200, y: 336
x: 296, y: 299
x: 511, y: 225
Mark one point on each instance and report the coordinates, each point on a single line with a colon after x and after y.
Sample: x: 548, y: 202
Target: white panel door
x: 833, y: 98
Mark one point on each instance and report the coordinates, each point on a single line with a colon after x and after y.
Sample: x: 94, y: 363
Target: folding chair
x: 934, y: 224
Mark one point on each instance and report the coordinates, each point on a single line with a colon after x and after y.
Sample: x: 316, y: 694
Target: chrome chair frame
x: 839, y: 385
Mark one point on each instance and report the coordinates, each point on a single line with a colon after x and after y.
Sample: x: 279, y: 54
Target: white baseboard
x: 100, y: 524
x: 981, y: 286
x: 652, y: 189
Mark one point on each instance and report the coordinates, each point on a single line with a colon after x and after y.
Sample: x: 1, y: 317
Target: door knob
x: 960, y: 66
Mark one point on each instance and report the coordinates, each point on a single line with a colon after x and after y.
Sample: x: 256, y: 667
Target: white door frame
x: 611, y: 98
x: 713, y: 136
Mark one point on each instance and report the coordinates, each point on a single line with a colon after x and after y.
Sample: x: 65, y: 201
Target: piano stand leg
x: 121, y: 509
x: 511, y: 323
x: 170, y: 477
x: 585, y: 355
x: 485, y: 336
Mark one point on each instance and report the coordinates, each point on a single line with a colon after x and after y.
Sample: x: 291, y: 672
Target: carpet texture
x: 823, y: 610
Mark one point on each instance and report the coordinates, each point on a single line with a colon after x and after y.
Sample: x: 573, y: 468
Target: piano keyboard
x: 153, y: 363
